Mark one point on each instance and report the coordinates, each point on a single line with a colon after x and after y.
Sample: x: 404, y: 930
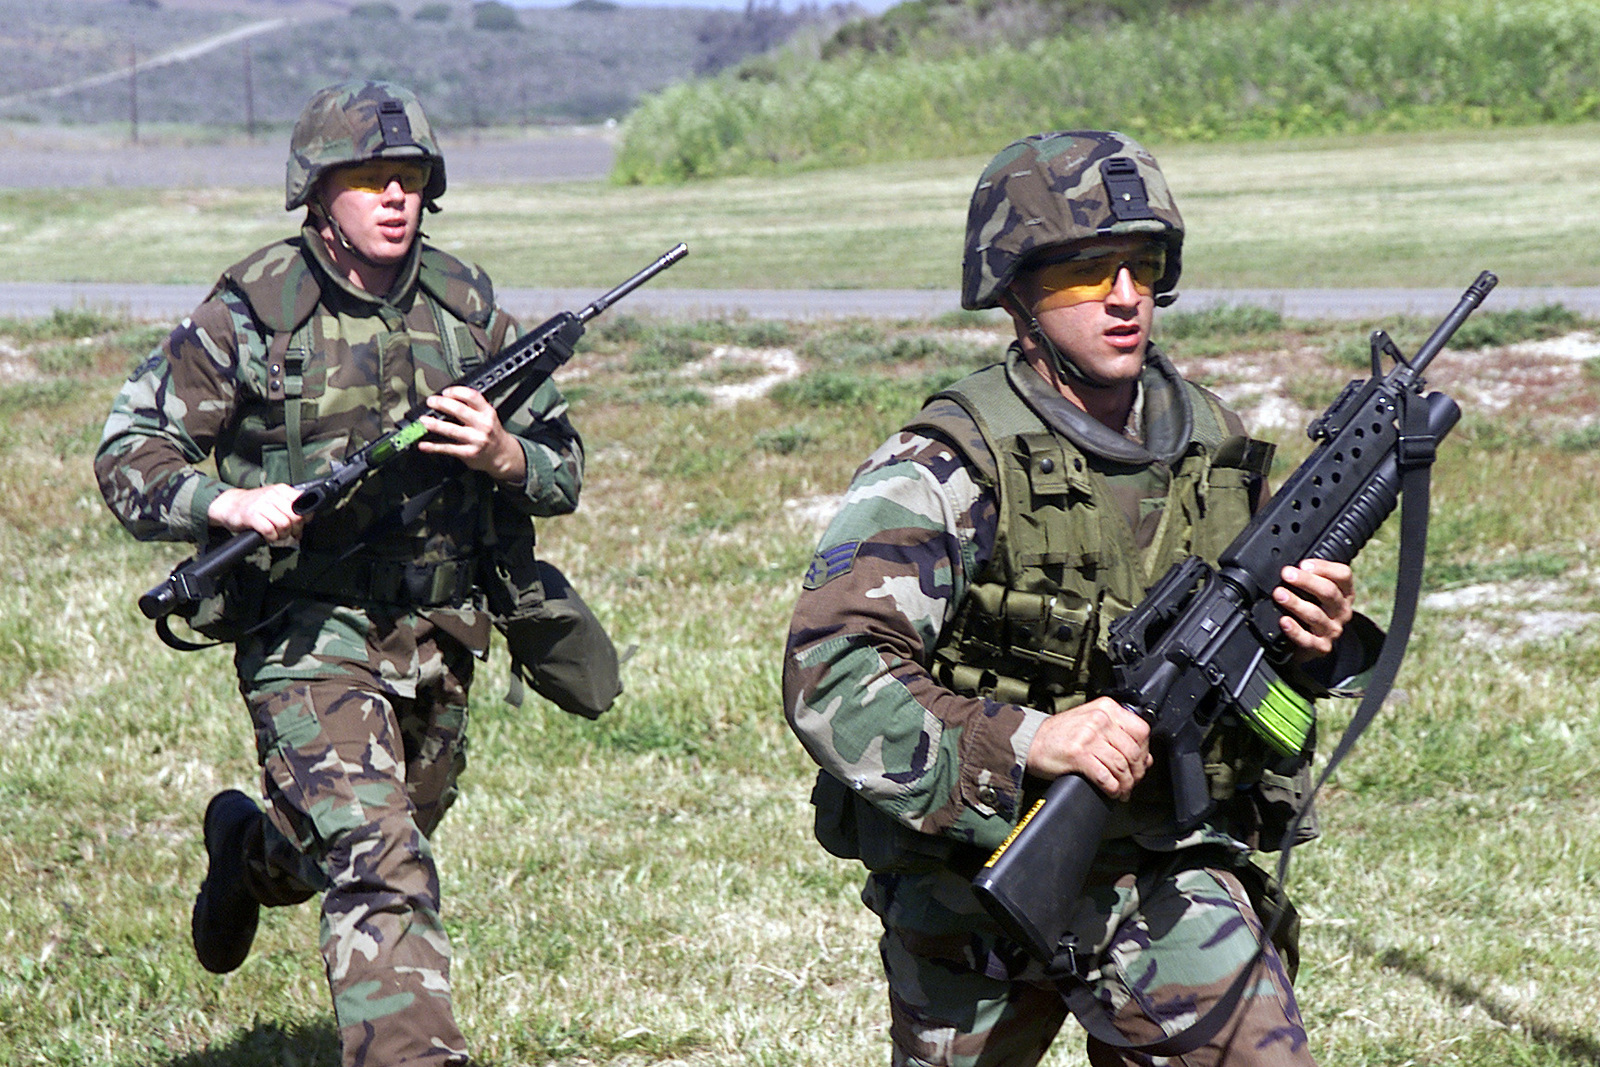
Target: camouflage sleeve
x: 165, y: 421
x: 550, y: 443
x: 857, y: 690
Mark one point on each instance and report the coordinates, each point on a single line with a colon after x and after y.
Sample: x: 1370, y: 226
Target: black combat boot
x: 225, y: 913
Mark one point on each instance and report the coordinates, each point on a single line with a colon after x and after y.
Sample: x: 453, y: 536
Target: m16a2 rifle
x: 526, y: 363
x: 1206, y: 640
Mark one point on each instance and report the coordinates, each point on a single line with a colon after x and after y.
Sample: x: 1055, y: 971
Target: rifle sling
x: 1090, y: 1012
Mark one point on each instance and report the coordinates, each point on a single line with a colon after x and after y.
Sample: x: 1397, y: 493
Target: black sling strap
x: 1417, y: 450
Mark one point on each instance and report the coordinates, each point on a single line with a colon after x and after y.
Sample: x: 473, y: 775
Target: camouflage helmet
x: 1052, y: 189
x: 353, y: 122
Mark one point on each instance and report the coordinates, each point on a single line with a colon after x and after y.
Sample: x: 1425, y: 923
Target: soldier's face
x: 373, y: 209
x: 1106, y: 335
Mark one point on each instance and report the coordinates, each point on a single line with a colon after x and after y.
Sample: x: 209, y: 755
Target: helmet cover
x: 354, y: 122
x: 1054, y: 189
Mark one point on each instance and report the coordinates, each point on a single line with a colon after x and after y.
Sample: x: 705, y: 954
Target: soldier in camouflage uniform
x: 949, y: 642
x: 356, y: 659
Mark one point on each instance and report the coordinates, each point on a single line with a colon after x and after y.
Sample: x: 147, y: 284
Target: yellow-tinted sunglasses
x: 1091, y: 274
x: 375, y: 176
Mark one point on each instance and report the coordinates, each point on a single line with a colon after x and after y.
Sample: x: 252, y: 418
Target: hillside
x: 934, y: 79
x: 478, y: 64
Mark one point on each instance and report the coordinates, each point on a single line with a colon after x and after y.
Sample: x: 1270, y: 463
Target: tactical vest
x: 1032, y: 628
x: 302, y: 407
x: 283, y: 288
x: 557, y: 646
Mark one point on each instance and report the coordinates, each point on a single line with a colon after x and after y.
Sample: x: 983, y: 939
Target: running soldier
x: 355, y: 660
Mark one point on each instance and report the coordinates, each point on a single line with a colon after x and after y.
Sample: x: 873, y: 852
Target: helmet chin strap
x: 344, y: 242
x: 1058, y: 359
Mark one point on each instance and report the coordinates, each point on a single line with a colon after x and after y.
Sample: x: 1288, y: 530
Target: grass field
x: 644, y: 889
x: 1379, y: 210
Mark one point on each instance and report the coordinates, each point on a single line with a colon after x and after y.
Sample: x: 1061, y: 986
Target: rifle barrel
x: 668, y: 258
x: 1475, y: 294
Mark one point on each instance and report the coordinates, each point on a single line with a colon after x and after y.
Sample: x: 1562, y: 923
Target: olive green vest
x: 1032, y: 628
x: 283, y: 287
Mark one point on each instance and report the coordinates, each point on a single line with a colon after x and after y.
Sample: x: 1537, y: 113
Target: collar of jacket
x: 405, y: 279
x: 1168, y: 416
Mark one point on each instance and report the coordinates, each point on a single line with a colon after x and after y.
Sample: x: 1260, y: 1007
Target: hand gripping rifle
x: 531, y: 359
x: 1206, y: 641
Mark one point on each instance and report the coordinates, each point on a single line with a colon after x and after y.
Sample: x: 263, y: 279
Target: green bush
x: 432, y: 13
x: 495, y: 17
x: 1255, y: 72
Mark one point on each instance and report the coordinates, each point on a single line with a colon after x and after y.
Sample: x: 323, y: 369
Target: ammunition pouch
x: 1277, y: 797
x: 557, y: 646
x: 1261, y: 789
x: 359, y: 577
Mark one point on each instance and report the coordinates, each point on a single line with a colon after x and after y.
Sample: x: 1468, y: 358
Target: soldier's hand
x: 269, y: 511
x: 1318, y: 599
x: 471, y: 431
x: 1101, y: 740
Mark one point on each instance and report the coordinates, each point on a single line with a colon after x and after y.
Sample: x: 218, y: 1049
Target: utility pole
x: 133, y: 88
x: 249, y: 96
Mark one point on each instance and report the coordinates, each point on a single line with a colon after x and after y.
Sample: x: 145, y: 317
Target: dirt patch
x: 769, y: 367
x: 15, y: 366
x: 1547, y: 382
x: 1508, y: 615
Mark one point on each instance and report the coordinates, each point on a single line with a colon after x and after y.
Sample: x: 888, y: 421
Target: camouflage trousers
x: 1166, y: 947
x: 360, y: 749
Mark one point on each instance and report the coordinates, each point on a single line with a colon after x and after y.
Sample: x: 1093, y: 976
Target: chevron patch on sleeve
x: 829, y: 563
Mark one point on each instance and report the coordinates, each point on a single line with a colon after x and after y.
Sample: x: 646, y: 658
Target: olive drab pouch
x: 558, y: 648
x: 849, y: 827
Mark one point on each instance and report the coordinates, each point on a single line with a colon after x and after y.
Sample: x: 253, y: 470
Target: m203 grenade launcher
x: 1206, y: 641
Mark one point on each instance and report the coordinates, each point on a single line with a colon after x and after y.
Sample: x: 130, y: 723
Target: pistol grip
x: 1191, y: 795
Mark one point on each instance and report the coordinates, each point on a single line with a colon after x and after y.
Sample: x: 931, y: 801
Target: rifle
x: 532, y: 358
x: 1205, y: 640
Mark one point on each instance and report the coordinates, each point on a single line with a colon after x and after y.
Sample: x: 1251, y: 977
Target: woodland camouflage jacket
x: 352, y: 367
x: 914, y: 538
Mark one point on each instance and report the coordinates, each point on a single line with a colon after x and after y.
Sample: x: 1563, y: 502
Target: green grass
x: 644, y: 889
x: 1371, y: 211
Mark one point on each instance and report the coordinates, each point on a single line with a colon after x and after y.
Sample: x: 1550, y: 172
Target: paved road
x: 57, y: 163
x: 172, y: 302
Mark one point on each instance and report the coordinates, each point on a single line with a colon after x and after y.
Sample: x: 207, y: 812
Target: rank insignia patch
x: 829, y: 563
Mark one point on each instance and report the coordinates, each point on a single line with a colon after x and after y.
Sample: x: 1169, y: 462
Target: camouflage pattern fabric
x: 358, y: 698
x: 353, y: 122
x: 1051, y: 189
x: 357, y: 776
x: 1167, y: 944
x: 912, y: 540
x: 367, y: 362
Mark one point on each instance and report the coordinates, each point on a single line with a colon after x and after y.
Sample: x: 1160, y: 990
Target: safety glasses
x: 375, y: 176
x: 1091, y: 273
